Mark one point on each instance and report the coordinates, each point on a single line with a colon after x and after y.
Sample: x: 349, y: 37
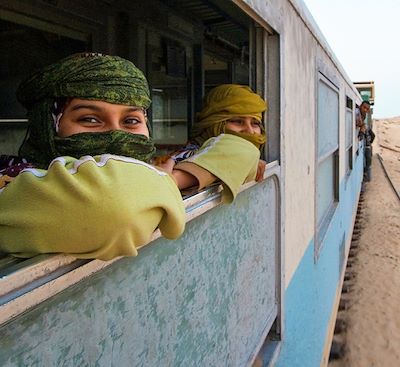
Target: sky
x: 365, y: 37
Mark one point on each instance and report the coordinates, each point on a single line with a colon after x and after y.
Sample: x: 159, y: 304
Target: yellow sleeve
x: 96, y: 207
x: 231, y: 159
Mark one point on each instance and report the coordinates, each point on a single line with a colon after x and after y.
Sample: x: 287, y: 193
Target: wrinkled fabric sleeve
x: 231, y: 159
x: 96, y: 207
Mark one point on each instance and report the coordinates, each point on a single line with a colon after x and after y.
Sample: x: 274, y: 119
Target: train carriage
x: 257, y: 281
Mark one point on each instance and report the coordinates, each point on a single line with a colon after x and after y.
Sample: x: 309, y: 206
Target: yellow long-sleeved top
x: 95, y: 207
x: 227, y: 157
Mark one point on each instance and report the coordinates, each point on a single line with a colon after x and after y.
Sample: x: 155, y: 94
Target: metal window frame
x: 349, y: 151
x: 322, y: 226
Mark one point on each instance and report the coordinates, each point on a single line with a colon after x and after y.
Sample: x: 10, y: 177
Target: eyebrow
x: 97, y: 108
x: 241, y: 118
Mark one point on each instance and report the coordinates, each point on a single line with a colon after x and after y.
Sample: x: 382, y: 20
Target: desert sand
x: 372, y: 337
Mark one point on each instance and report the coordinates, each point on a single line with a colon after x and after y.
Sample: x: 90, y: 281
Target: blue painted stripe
x: 310, y: 296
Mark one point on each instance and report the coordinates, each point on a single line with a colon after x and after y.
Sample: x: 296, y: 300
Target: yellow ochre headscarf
x: 223, y: 103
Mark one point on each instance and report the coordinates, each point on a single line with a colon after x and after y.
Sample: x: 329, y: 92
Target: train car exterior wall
x: 313, y: 271
x: 211, y: 297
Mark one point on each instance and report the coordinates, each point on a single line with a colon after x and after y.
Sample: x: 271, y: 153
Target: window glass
x: 169, y: 85
x: 327, y: 149
x: 28, y: 49
x: 216, y: 72
x: 241, y: 72
x: 25, y: 49
x: 328, y: 117
x: 169, y: 115
x: 348, y: 160
x: 325, y: 187
x: 349, y: 128
x: 226, y: 62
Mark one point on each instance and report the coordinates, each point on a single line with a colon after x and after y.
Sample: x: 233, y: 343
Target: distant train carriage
x: 257, y: 280
x: 367, y: 92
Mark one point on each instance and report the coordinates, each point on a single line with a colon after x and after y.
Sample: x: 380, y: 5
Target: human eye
x: 133, y: 121
x: 235, y: 121
x: 256, y: 123
x: 90, y: 120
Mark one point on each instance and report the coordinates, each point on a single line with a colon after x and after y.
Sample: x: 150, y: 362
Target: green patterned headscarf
x: 87, y: 76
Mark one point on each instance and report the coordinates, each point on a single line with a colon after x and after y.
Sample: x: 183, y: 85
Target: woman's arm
x: 183, y: 179
x: 229, y: 158
x: 99, y: 207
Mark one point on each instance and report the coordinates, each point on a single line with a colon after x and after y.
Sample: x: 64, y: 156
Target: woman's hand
x: 260, y: 170
x: 182, y: 179
x: 166, y: 165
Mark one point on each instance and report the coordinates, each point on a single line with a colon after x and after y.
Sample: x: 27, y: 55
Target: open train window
x: 185, y: 48
x: 28, y: 49
x: 191, y: 48
x: 349, y: 127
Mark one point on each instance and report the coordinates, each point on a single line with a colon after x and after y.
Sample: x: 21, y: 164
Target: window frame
x: 349, y: 156
x: 321, y: 226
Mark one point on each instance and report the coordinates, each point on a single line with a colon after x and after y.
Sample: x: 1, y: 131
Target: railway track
x: 339, y: 337
x: 388, y: 176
